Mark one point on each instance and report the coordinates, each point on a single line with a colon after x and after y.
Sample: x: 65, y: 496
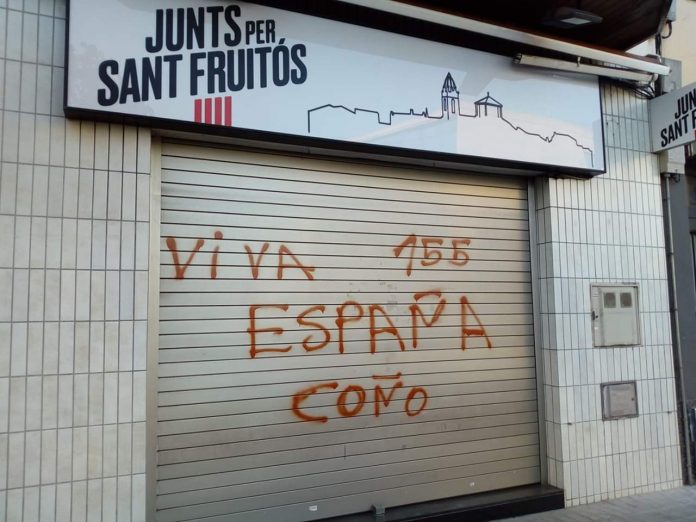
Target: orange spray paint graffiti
x: 379, y: 324
x: 426, y: 310
x: 432, y: 256
x: 417, y: 311
x: 180, y: 270
x: 352, y: 398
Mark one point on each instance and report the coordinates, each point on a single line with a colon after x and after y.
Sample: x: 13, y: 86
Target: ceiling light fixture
x: 568, y: 17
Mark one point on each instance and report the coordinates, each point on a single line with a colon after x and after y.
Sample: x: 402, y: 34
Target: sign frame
x: 391, y: 24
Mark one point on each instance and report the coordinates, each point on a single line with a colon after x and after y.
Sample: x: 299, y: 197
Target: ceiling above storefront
x: 519, y: 30
x: 625, y: 23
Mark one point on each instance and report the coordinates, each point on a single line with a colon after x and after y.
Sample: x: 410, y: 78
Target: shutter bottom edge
x: 490, y: 505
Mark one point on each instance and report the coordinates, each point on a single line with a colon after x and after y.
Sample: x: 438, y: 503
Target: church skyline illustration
x: 485, y: 107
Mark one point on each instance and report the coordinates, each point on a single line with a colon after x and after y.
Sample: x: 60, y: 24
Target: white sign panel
x: 673, y: 118
x: 246, y: 66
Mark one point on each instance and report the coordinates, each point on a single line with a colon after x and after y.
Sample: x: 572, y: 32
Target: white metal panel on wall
x: 337, y: 335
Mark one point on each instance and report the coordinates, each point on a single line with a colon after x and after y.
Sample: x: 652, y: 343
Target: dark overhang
x: 509, y: 29
x: 625, y: 23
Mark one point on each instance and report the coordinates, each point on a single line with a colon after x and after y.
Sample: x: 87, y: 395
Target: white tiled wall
x: 608, y: 229
x: 73, y: 289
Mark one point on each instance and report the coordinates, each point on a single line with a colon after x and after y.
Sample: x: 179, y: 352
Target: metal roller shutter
x: 337, y: 335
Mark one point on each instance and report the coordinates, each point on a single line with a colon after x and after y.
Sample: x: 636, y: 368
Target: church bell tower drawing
x: 450, y: 97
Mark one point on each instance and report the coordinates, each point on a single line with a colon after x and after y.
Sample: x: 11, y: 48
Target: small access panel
x: 615, y: 315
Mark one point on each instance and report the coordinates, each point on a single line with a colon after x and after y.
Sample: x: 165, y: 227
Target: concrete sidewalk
x: 674, y: 505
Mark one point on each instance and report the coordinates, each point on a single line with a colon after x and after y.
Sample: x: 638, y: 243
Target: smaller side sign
x: 673, y: 118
